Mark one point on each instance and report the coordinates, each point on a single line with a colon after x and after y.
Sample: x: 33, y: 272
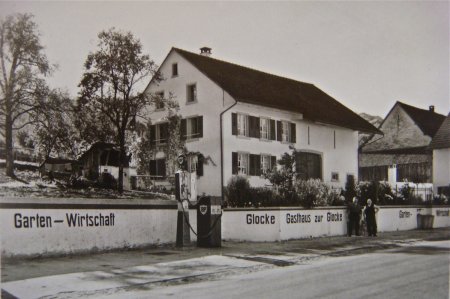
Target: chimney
x: 205, y: 51
x: 431, y: 108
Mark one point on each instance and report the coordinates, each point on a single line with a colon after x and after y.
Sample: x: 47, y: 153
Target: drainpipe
x: 221, y: 141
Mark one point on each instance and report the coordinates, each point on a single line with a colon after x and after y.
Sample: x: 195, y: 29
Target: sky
x: 365, y: 54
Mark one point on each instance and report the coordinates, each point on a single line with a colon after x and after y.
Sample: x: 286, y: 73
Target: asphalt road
x: 419, y: 271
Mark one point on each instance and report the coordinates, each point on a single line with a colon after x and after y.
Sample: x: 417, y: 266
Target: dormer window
x: 174, y: 69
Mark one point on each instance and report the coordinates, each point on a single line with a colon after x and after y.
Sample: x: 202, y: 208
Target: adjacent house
x: 243, y: 120
x: 440, y: 145
x: 103, y: 157
x: 403, y: 149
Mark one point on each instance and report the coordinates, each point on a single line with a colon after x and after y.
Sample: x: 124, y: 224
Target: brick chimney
x: 205, y: 51
x: 431, y: 108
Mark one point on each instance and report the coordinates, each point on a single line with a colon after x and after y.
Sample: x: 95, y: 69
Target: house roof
x: 442, y: 137
x: 428, y: 121
x: 100, y: 145
x: 255, y: 87
x: 50, y: 160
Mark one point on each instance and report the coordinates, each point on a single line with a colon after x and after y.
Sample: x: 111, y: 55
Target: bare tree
x: 110, y: 87
x: 23, y: 66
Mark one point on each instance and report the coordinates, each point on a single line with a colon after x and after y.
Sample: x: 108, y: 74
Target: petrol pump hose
x: 190, y: 226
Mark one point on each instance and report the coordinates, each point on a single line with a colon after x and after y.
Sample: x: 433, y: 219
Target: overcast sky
x: 367, y: 55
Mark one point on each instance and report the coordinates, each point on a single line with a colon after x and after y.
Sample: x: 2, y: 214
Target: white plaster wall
x: 212, y: 100
x: 441, y: 216
x: 320, y: 224
x: 235, y: 225
x: 397, y: 218
x: 134, y: 227
x: 441, y: 167
x: 342, y: 159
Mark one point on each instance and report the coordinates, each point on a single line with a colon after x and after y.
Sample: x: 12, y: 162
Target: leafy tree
x: 23, y: 66
x: 54, y: 128
x: 109, y: 96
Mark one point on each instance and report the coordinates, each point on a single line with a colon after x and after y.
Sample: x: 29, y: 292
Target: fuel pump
x: 182, y: 183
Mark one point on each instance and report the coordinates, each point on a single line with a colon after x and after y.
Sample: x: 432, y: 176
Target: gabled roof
x: 428, y: 121
x: 255, y: 87
x: 442, y: 137
x: 100, y: 145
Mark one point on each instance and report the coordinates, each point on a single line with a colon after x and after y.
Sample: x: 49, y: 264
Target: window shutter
x: 254, y: 127
x: 234, y: 162
x: 161, y: 165
x: 152, y: 167
x: 252, y: 170
x: 200, y: 126
x: 164, y: 132
x: 272, y: 130
x: 273, y: 162
x: 279, y: 128
x: 293, y: 134
x: 233, y: 123
x: 183, y: 129
x: 200, y: 165
x: 152, y: 134
x: 258, y: 165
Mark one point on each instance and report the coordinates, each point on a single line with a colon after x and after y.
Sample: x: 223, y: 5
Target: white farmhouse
x: 244, y: 119
x: 441, y: 158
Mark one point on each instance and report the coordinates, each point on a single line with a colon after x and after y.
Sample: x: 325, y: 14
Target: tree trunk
x: 9, y: 139
x: 121, y: 163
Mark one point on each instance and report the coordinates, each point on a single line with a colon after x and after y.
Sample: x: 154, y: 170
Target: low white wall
x: 29, y: 228
x: 276, y: 224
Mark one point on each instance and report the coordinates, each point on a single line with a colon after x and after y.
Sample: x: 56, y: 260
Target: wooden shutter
x: 161, y: 167
x: 293, y: 133
x: 254, y: 127
x: 152, y: 134
x: 272, y: 130
x: 273, y: 162
x: 279, y: 130
x: 234, y: 162
x: 153, y: 167
x: 200, y: 161
x: 200, y: 126
x: 255, y: 165
x: 234, y: 123
x: 183, y: 129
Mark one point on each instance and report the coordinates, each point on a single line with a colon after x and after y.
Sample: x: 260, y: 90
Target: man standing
x: 354, y: 212
x: 369, y: 213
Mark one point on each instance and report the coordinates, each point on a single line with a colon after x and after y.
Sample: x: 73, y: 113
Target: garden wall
x: 49, y: 227
x: 276, y: 224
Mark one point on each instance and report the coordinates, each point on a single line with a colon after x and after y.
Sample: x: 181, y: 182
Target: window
x: 242, y: 163
x: 264, y: 128
x: 174, y: 69
x: 161, y: 133
x: 286, y: 131
x: 308, y: 165
x: 191, y: 93
x: 195, y: 164
x: 242, y: 125
x: 159, y: 101
x: 158, y: 169
x: 335, y: 177
x: 192, y: 127
x: 192, y: 162
x: 265, y: 163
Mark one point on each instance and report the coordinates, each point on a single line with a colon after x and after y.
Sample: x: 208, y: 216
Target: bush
x: 238, y: 192
x: 314, y: 192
